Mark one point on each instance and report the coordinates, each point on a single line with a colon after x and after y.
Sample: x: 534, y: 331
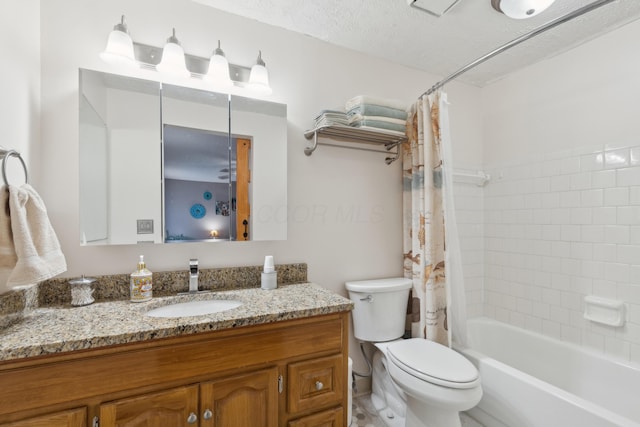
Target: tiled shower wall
x: 469, y: 217
x: 557, y: 229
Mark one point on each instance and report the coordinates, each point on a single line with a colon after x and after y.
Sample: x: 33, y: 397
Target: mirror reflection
x: 160, y: 164
x: 120, y: 168
x: 197, y: 193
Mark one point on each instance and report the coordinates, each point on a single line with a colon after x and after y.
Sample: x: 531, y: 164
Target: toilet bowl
x: 438, y: 382
x: 415, y: 382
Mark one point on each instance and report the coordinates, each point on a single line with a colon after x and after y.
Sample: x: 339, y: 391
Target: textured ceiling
x: 392, y: 30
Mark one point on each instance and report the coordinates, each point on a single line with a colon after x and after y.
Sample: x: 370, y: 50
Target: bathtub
x: 530, y: 380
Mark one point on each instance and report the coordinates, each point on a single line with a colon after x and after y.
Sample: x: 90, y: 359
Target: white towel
x: 377, y: 129
x: 8, y: 256
x: 359, y: 118
x: 362, y: 99
x: 32, y: 239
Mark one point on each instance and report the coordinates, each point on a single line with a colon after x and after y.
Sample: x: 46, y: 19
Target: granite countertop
x: 55, y: 330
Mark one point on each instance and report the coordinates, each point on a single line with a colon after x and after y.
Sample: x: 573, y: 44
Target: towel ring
x: 4, y: 155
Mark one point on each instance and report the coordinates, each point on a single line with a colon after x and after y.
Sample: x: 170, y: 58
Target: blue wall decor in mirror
x: 198, y: 211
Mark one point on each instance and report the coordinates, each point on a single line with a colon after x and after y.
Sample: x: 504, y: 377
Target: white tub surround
x: 532, y: 380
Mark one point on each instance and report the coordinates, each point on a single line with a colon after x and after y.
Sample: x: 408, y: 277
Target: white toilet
x: 415, y: 382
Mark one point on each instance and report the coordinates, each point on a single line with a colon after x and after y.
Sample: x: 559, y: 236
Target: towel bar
x: 4, y: 155
x: 478, y: 178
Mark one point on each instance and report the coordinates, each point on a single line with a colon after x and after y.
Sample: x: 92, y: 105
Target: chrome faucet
x: 193, y: 275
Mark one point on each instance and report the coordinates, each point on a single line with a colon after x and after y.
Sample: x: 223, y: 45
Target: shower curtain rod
x: 549, y: 25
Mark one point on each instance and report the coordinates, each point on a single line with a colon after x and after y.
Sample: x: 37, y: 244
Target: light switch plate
x: 145, y: 226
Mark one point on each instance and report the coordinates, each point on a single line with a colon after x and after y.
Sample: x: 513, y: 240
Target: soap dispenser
x: 269, y: 279
x: 141, y: 283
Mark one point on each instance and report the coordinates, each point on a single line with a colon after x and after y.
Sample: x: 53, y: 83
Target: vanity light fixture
x: 521, y: 9
x: 259, y: 77
x: 173, y: 62
x: 218, y: 73
x: 119, y: 47
x: 215, y: 71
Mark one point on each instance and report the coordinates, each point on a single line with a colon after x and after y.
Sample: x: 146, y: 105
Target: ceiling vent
x: 433, y: 7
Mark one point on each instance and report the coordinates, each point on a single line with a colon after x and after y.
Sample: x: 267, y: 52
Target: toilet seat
x: 434, y: 363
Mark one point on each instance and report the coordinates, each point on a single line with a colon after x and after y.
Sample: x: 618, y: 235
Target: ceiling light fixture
x: 259, y: 77
x: 173, y: 62
x: 119, y: 47
x: 521, y: 9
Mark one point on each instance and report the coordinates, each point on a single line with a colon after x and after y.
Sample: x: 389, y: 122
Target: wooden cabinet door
x: 246, y: 400
x: 330, y: 418
x: 71, y: 418
x: 171, y: 408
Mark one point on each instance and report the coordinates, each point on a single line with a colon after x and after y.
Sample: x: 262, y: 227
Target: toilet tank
x: 380, y: 308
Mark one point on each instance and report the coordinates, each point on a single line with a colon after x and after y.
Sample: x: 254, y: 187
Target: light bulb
x: 173, y: 61
x: 218, y: 73
x: 259, y: 77
x: 119, y: 47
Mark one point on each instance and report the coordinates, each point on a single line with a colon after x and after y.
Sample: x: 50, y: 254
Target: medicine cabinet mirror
x: 162, y: 163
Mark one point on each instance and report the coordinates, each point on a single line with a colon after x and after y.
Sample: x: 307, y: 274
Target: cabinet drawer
x: 315, y: 383
x: 331, y: 418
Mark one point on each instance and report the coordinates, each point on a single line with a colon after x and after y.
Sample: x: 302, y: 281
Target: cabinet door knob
x: 207, y: 415
x: 319, y: 385
x: 192, y: 419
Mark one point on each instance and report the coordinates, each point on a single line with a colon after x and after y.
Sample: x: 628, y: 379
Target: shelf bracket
x: 309, y: 150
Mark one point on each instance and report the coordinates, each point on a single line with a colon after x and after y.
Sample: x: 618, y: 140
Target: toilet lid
x: 434, y: 363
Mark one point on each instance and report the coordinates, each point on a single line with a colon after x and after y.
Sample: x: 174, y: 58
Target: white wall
x: 562, y: 214
x: 344, y: 205
x: 469, y: 203
x: 20, y: 85
x: 20, y: 89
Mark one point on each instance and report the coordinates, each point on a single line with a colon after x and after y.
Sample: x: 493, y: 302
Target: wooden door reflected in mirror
x: 243, y: 179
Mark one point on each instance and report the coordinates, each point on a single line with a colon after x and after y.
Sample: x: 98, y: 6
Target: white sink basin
x: 194, y: 308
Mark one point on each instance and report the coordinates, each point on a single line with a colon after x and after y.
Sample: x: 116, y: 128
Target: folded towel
x: 359, y: 117
x: 331, y: 113
x: 377, y: 110
x: 380, y: 125
x: 33, y: 239
x: 331, y: 117
x: 389, y: 103
x: 377, y: 129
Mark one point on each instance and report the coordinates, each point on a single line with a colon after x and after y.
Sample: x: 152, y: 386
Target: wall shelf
x: 385, y: 141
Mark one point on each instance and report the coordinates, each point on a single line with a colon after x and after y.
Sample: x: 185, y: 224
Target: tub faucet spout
x: 193, y: 275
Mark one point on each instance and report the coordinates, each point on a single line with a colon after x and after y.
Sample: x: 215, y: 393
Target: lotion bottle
x: 269, y: 279
x: 141, y: 283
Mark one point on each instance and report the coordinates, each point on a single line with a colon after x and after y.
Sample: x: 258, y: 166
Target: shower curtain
x: 431, y: 247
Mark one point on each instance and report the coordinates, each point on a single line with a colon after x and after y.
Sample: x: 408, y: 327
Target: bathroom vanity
x: 280, y: 359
